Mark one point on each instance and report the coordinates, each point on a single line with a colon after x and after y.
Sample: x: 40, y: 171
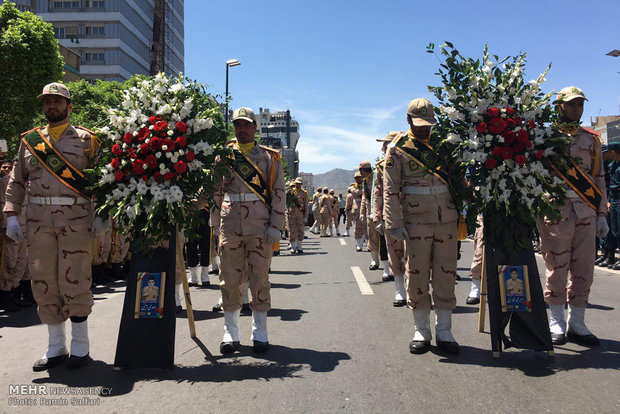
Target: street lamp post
x: 229, y: 63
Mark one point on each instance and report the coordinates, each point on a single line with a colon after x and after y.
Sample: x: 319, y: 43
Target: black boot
x: 26, y: 288
x: 611, y: 261
x: 602, y: 258
x: 98, y: 275
x: 6, y: 302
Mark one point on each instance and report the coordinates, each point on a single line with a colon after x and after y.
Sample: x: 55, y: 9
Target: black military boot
x: 118, y: 272
x: 611, y: 261
x: 602, y: 257
x: 16, y: 296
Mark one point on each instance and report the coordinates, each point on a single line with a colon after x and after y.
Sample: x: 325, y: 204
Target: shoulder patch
x: 389, y: 163
x: 269, y: 149
x: 29, y: 131
x: 85, y: 129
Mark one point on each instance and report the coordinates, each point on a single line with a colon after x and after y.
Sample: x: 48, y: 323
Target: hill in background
x: 338, y: 179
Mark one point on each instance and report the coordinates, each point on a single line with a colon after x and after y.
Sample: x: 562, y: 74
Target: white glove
x: 13, y: 229
x: 601, y: 227
x: 380, y: 226
x: 272, y: 235
x: 100, y: 226
x: 362, y: 217
x: 399, y: 233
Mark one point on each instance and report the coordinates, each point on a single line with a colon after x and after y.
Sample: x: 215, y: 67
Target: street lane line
x: 342, y: 242
x: 361, y: 281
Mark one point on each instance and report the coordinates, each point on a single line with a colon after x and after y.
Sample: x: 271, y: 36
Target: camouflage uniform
x: 325, y: 205
x: 60, y: 242
x: 475, y: 272
x: 348, y: 206
x: 359, y: 225
x: 242, y: 228
x: 366, y: 211
x: 316, y: 212
x: 296, y: 217
x: 14, y: 266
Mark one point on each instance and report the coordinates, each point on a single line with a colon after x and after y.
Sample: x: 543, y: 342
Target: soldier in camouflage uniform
x: 395, y: 247
x: 325, y: 207
x: 419, y: 209
x: 348, y: 206
x: 359, y: 230
x: 316, y: 211
x: 251, y: 222
x: 366, y: 214
x: 568, y: 245
x: 59, y: 222
x: 297, y: 214
x: 335, y: 213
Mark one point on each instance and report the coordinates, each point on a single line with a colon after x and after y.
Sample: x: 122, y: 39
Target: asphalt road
x: 333, y: 349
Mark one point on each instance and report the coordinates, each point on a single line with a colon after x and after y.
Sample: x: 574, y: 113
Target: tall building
x: 278, y: 130
x: 116, y: 39
x: 608, y: 127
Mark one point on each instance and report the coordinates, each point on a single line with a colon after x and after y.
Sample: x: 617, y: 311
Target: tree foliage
x: 29, y: 59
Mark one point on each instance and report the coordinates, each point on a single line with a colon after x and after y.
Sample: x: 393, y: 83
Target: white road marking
x: 343, y: 242
x: 361, y: 281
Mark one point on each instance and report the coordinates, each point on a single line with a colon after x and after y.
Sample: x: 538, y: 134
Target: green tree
x: 29, y: 59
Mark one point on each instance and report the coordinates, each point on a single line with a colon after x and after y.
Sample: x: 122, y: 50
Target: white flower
x: 164, y: 147
x: 170, y: 133
x: 158, y: 154
x: 453, y: 138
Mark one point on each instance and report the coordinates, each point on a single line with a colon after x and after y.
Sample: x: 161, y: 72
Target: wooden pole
x: 188, y: 299
x: 483, y: 292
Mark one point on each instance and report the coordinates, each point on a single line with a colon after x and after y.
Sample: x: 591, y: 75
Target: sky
x: 346, y: 69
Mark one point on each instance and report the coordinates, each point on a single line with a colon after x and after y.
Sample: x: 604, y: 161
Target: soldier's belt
x: 434, y: 190
x: 57, y: 201
x: 241, y: 198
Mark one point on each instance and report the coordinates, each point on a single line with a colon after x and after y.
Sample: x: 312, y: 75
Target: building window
x: 93, y: 58
x: 59, y: 32
x: 66, y: 4
x: 94, y: 31
x: 95, y: 4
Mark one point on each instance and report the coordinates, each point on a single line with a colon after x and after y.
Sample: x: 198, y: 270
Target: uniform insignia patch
x: 413, y: 165
x: 389, y: 163
x: 33, y: 162
x: 54, y: 162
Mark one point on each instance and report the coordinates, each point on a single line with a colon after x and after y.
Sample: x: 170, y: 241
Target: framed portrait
x: 150, y: 295
x: 514, y: 288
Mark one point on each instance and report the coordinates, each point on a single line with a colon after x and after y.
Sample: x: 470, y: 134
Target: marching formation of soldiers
x: 401, y: 211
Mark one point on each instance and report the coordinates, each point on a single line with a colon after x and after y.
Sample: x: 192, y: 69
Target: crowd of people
x: 400, y: 211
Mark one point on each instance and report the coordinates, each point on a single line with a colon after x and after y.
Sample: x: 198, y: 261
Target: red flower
x: 531, y: 124
x: 518, y: 120
x: 154, y: 119
x: 493, y: 112
x: 481, y: 127
x: 507, y: 153
x: 168, y: 176
x: 510, y: 123
x: 497, y: 125
x: 190, y: 156
x: 181, y: 127
x: 509, y: 136
x: 490, y: 163
x: 523, y: 136
x: 518, y: 147
x: 510, y: 111
x: 520, y: 159
x: 181, y: 141
x: 142, y: 134
x: 156, y: 143
x: 151, y: 161
x: 145, y: 178
x: 528, y: 144
x: 138, y: 166
x: 160, y: 127
x: 116, y: 149
x: 144, y: 148
x: 115, y: 163
x: 131, y: 152
x: 157, y: 176
x: 539, y: 154
x: 118, y: 175
x: 180, y: 167
x: 170, y: 144
x: 128, y: 138
x: 497, y: 151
